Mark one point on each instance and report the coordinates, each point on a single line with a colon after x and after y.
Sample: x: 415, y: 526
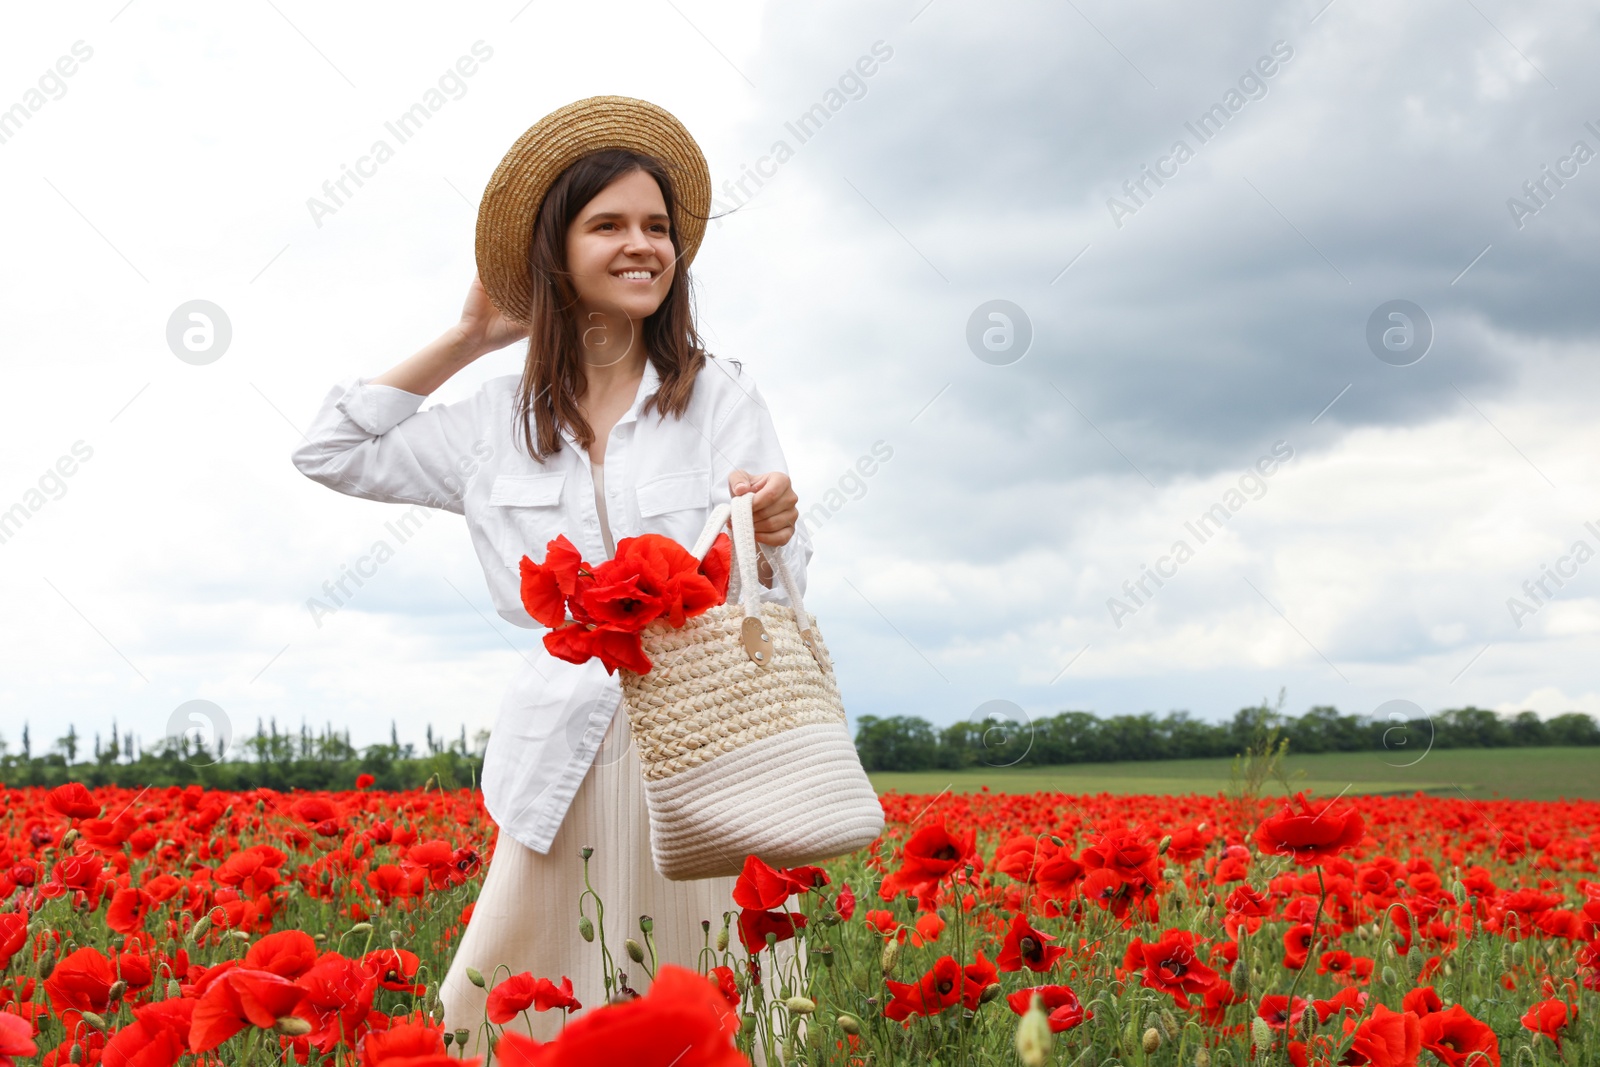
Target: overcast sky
x: 1161, y: 338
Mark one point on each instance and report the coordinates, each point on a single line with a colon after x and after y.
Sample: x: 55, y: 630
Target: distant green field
x: 1526, y: 773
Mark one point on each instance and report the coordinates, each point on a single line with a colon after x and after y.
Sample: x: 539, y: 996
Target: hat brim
x: 510, y: 204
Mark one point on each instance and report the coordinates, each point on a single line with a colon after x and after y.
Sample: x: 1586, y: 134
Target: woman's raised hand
x: 483, y: 326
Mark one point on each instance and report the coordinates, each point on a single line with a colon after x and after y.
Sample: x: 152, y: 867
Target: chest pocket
x: 675, y: 492
x: 526, y: 513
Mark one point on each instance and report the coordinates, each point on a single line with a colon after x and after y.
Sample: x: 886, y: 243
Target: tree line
x: 909, y: 743
x: 270, y: 758
x: 284, y: 760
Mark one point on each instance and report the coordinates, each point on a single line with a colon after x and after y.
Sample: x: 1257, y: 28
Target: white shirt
x: 662, y: 475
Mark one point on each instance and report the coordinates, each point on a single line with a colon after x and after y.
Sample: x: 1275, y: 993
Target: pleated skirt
x: 526, y: 916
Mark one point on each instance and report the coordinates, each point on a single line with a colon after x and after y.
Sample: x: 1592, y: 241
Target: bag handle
x: 746, y: 549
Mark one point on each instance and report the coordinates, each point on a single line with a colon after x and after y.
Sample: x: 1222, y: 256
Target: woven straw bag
x: 741, y: 732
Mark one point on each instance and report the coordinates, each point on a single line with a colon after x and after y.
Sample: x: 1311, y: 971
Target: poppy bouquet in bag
x: 732, y: 702
x: 602, y: 610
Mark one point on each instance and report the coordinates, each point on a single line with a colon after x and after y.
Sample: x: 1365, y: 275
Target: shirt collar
x: 648, y: 386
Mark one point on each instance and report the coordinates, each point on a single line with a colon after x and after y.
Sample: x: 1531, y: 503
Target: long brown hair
x: 552, y: 377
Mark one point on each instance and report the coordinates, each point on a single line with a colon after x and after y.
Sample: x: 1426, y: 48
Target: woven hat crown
x: 511, y: 201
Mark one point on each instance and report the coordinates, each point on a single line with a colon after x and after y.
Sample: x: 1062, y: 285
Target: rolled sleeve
x: 371, y: 441
x: 746, y: 439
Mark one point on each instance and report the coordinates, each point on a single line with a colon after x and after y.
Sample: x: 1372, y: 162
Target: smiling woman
x: 619, y: 424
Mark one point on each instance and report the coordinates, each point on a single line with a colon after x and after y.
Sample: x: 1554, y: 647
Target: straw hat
x: 519, y: 184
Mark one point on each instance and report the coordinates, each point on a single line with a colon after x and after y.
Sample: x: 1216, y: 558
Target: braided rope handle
x: 745, y: 550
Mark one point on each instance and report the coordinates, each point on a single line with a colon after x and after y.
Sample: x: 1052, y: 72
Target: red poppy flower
x: 409, y: 1044
x: 934, y: 992
x: 763, y: 887
x: 844, y: 905
x: 364, y: 781
x: 1457, y: 1038
x: 287, y: 953
x: 975, y: 978
x: 755, y: 925
x: 16, y: 1038
x: 1058, y: 876
x: 547, y: 586
x: 1421, y: 1001
x: 523, y: 991
x: 1274, y: 1010
x: 80, y: 982
x: 1549, y: 1017
x: 683, y: 1020
x: 1130, y: 856
x: 1171, y: 965
x: 723, y: 976
x: 1190, y: 842
x: 1352, y: 1000
x: 929, y: 855
x: 73, y: 800
x: 242, y: 998
x: 1025, y: 947
x: 1060, y: 1002
x: 1386, y: 1039
x: 13, y: 935
x: 1311, y: 836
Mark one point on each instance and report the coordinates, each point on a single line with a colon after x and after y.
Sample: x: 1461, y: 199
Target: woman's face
x: 619, y: 249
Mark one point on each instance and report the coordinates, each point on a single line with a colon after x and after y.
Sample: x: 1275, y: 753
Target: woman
x: 619, y: 424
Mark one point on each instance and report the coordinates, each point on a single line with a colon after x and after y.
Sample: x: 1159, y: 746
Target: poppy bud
x: 475, y: 976
x: 1260, y: 1034
x: 1389, y: 977
x: 1056, y: 841
x: 1519, y: 954
x: 292, y: 1026
x: 1033, y: 1035
x: 646, y: 923
x: 239, y: 935
x: 849, y: 1023
x: 94, y: 1020
x: 200, y: 928
x: 118, y: 988
x: 635, y: 952
x: 360, y: 928
x: 800, y: 1005
x: 1169, y: 1025
x: 1239, y: 979
x: 462, y: 1033
x: 1202, y: 1057
x: 990, y: 992
x: 1166, y: 843
x: 891, y: 953
x: 1308, y: 1025
x: 585, y: 928
x: 722, y: 939
x: 76, y: 1055
x: 69, y: 838
x: 705, y: 926
x: 784, y: 992
x: 174, y: 990
x: 1151, y: 1042
x: 1447, y: 969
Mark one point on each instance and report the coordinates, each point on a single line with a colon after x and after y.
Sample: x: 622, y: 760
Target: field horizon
x: 1513, y: 773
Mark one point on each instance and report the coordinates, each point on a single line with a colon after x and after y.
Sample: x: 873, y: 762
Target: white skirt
x: 526, y: 916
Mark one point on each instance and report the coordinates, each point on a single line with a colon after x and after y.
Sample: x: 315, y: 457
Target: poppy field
x: 184, y: 926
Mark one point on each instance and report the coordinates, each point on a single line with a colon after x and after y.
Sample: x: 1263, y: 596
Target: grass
x: 1523, y: 773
